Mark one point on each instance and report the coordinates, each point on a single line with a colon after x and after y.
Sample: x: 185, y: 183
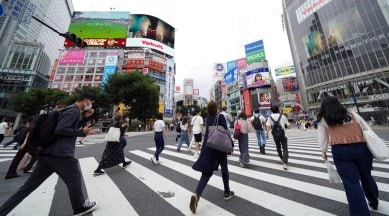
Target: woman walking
x: 113, y: 152
x: 159, y: 134
x: 245, y: 128
x: 210, y: 159
x: 184, y: 133
x: 352, y: 158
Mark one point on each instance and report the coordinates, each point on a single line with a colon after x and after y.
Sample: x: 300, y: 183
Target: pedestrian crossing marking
x: 181, y: 197
x: 30, y: 204
x: 264, y: 199
x: 104, y: 190
x: 316, y: 190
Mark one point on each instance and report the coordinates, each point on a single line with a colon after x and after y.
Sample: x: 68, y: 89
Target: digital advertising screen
x: 259, y: 77
x: 146, y: 26
x: 264, y: 100
x: 290, y: 84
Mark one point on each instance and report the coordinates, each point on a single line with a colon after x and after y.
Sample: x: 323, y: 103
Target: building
x: 24, y: 68
x: 340, y: 48
x: 117, y: 43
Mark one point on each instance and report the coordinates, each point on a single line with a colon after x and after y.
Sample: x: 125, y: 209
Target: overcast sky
x: 210, y: 31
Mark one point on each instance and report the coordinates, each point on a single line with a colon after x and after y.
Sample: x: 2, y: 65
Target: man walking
x: 227, y: 116
x: 59, y: 158
x: 277, y: 122
x: 259, y: 125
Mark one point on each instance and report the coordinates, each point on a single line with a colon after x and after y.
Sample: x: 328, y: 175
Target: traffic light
x: 74, y: 39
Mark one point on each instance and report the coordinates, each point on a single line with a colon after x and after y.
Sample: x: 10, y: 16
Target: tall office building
x: 340, y: 48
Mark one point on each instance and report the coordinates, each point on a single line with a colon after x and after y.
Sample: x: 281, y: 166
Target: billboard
x: 259, y: 77
x: 255, y: 52
x: 146, y: 26
x: 109, y: 68
x: 169, y: 87
x: 94, y: 24
x: 148, y: 43
x: 264, y: 100
x: 288, y: 70
x: 72, y: 57
x: 253, y: 47
x: 290, y: 84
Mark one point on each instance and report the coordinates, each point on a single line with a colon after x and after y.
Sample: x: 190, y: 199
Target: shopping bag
x: 218, y: 137
x: 113, y: 135
x: 332, y: 173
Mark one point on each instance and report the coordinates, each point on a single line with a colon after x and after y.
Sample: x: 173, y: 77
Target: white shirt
x: 3, y: 127
x: 227, y: 117
x: 197, y: 121
x: 283, y: 121
x: 261, y: 118
x: 159, y: 125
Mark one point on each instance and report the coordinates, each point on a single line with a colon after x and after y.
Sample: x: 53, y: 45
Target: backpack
x: 257, y: 124
x: 178, y: 127
x: 42, y: 130
x: 277, y: 131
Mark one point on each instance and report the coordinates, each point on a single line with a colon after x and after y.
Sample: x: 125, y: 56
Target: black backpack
x: 42, y: 130
x: 277, y: 130
x: 178, y: 127
x: 257, y: 124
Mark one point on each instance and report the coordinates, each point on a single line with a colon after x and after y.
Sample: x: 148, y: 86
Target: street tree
x: 31, y: 102
x: 137, y: 91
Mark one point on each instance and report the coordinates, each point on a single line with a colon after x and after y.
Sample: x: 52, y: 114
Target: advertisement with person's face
x: 258, y: 78
x: 264, y: 100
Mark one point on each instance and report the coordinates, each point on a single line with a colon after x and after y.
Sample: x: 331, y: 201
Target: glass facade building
x: 340, y: 48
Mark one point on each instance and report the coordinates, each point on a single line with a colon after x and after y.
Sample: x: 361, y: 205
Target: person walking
x: 227, y: 116
x: 209, y: 161
x: 280, y: 139
x: 113, y: 152
x: 243, y: 141
x: 197, y: 130
x: 342, y: 131
x: 59, y: 158
x: 16, y: 138
x: 3, y: 129
x: 258, y: 121
x: 184, y: 133
x: 159, y: 134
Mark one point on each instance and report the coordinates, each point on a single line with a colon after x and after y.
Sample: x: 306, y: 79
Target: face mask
x: 87, y: 107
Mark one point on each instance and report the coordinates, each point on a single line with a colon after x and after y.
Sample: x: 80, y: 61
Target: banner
x: 109, y: 68
x: 72, y: 57
x: 285, y: 70
x: 254, y: 46
x: 169, y: 86
x: 255, y: 56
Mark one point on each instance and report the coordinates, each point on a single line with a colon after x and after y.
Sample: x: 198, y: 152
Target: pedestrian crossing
x: 262, y: 188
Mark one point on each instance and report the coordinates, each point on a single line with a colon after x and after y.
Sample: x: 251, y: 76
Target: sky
x: 210, y: 31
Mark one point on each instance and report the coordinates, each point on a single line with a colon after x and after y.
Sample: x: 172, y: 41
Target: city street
x: 263, y: 188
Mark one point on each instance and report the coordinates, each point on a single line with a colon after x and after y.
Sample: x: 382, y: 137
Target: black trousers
x: 282, y: 142
x: 68, y: 169
x: 15, y: 162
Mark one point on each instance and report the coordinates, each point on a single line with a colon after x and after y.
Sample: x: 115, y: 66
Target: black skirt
x: 112, y: 156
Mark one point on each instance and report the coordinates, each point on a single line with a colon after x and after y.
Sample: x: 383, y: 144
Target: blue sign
x: 229, y: 77
x: 1, y: 10
x: 231, y: 65
x: 107, y: 72
x: 254, y: 46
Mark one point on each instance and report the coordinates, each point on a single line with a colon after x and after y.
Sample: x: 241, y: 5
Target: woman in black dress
x: 113, y: 153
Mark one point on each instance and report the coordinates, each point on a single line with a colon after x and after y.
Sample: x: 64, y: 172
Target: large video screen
x: 146, y: 26
x: 92, y: 24
x: 290, y: 84
x: 259, y: 77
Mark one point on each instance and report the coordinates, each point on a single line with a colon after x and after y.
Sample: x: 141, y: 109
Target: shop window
x: 81, y: 70
x: 69, y: 78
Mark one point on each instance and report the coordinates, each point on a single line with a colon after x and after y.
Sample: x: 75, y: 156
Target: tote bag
x: 113, y: 134
x: 375, y: 144
x: 219, y: 138
x: 333, y: 175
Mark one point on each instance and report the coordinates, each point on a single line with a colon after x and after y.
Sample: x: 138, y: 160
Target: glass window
x: 78, y: 77
x: 76, y: 86
x: 91, y: 61
x: 98, y: 77
x: 58, y: 78
x: 93, y: 55
x: 88, y: 77
x: 90, y: 70
x: 60, y: 70
x: 71, y: 70
x: 361, y: 66
x: 373, y: 21
x: 66, y: 86
x: 102, y: 54
x: 56, y: 86
x: 100, y: 61
x: 367, y: 24
x: 366, y: 62
x: 99, y: 69
x: 80, y: 70
x: 69, y: 78
x: 380, y: 18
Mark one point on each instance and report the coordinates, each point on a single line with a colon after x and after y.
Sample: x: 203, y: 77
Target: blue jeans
x: 184, y: 137
x: 123, y: 141
x: 10, y: 143
x: 159, y: 144
x: 354, y: 163
x: 261, y: 137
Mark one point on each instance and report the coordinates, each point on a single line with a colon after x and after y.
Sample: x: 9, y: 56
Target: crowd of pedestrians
x: 336, y: 126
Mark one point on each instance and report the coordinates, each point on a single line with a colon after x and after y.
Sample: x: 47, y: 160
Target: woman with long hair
x: 353, y: 160
x: 184, y: 133
x: 210, y: 159
x: 245, y: 128
x: 113, y: 152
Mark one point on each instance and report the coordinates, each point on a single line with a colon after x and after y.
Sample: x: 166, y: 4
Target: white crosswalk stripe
x: 263, y: 184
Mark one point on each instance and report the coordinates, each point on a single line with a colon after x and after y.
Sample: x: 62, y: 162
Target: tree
x: 137, y: 91
x: 30, y: 103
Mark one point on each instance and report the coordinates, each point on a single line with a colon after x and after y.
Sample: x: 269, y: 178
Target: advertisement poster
x: 264, y: 100
x: 169, y: 87
x: 259, y: 77
x: 72, y: 57
x: 109, y: 68
x: 146, y: 26
x: 290, y: 84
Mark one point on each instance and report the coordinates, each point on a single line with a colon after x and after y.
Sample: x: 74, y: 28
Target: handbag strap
x: 216, y: 122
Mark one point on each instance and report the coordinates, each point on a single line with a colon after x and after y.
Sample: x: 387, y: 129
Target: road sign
x: 1, y: 10
x: 21, y: 10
